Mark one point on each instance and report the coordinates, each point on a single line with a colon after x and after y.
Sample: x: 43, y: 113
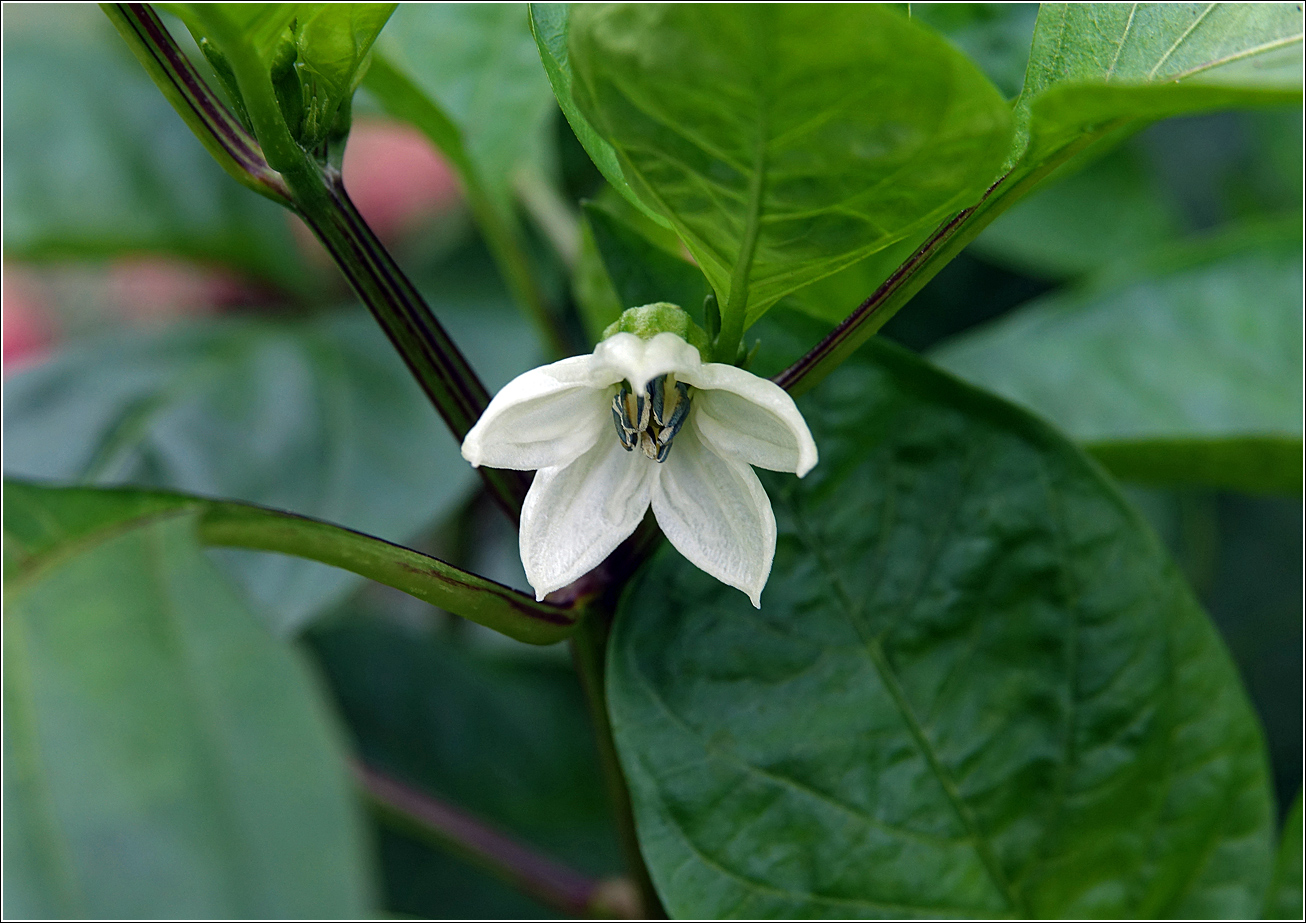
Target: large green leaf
x: 503, y: 737
x: 1097, y: 64
x: 1284, y: 899
x: 1189, y: 376
x: 829, y: 132
x: 550, y: 24
x: 316, y: 417
x: 97, y: 164
x: 164, y: 756
x: 976, y: 687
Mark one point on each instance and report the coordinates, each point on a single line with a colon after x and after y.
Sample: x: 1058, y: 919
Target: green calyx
x: 649, y: 320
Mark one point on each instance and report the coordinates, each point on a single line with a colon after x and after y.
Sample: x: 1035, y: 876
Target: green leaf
x: 264, y: 27
x: 976, y: 687
x: 1284, y: 899
x: 477, y: 65
x: 1096, y: 64
x: 1189, y: 375
x: 314, y: 53
x: 96, y: 163
x: 835, y: 297
x: 1110, y: 211
x: 333, y: 40
x: 830, y: 132
x: 550, y: 23
x: 317, y: 417
x: 41, y: 518
x: 502, y: 736
x: 163, y: 755
x: 996, y: 36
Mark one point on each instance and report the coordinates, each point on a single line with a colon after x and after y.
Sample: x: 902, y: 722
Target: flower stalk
x: 555, y: 885
x: 589, y: 646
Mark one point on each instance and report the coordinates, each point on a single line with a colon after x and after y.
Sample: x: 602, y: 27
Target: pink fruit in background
x: 28, y: 332
x: 395, y: 176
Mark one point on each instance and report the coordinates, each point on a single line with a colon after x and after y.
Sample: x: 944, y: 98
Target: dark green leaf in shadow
x: 164, y: 756
x: 830, y: 132
x: 976, y: 687
x: 317, y: 417
x: 1190, y: 375
x: 504, y: 737
x: 1284, y: 899
x: 641, y: 272
x: 1097, y: 64
x: 97, y: 164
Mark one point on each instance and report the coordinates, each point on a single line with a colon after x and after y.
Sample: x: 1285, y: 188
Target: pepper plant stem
x: 923, y: 265
x: 555, y: 885
x: 589, y: 645
x: 432, y: 357
x: 217, y: 129
x: 276, y: 166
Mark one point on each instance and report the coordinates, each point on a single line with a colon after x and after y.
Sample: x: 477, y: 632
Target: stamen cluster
x: 651, y: 420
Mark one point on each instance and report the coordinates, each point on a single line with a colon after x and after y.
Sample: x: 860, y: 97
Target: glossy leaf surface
x: 1185, y: 376
x: 976, y: 687
x: 164, y: 756
x: 807, y: 154
x: 1093, y: 64
x: 550, y: 24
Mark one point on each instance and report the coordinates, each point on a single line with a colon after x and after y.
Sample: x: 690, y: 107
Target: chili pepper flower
x: 644, y: 421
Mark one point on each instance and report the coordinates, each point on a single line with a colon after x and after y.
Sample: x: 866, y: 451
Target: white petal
x: 545, y: 417
x: 717, y: 514
x: 740, y: 415
x: 576, y: 515
x: 640, y: 360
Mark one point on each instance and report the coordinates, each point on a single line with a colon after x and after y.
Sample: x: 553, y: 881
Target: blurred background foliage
x: 163, y: 326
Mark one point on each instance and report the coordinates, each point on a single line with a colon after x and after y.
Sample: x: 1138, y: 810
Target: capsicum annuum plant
x: 965, y: 677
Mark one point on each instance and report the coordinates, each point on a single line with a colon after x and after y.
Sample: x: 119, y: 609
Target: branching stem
x: 555, y: 885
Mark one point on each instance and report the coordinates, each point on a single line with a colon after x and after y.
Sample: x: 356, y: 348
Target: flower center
x: 651, y: 420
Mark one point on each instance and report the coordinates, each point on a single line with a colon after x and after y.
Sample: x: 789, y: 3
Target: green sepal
x: 649, y: 320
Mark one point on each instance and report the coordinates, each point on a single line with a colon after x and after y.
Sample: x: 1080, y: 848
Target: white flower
x: 595, y: 427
